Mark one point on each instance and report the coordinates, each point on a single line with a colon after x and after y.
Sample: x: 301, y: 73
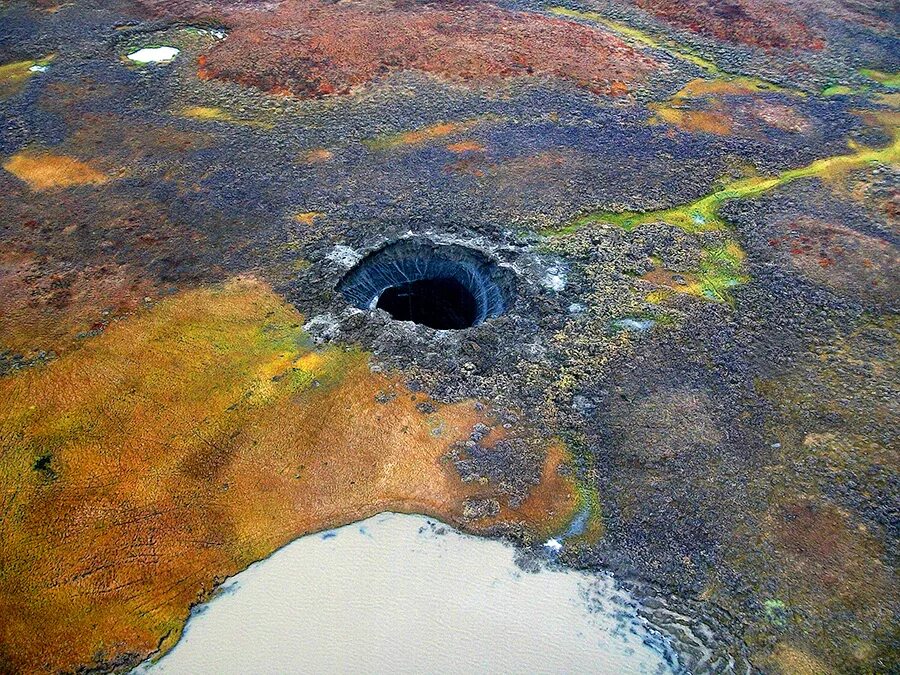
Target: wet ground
x: 689, y: 211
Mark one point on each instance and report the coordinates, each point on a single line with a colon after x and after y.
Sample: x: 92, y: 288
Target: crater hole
x: 444, y: 304
x: 444, y: 287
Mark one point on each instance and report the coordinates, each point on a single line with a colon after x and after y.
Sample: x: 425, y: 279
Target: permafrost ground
x: 687, y: 375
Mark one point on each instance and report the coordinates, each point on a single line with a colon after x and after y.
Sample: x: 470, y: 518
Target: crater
x: 445, y: 287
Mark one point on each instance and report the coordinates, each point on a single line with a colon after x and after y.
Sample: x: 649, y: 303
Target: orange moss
x: 552, y: 502
x: 308, y: 217
x: 465, y: 146
x: 419, y: 136
x: 45, y: 171
x: 696, y: 121
x: 318, y: 155
x: 187, y: 442
x: 680, y: 283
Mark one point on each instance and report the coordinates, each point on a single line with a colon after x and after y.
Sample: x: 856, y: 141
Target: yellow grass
x: 46, y: 171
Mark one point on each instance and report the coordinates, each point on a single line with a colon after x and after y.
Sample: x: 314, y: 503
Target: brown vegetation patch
x: 317, y: 155
x: 315, y: 48
x: 808, y: 532
x: 136, y: 147
x: 45, y: 304
x: 842, y: 258
x: 768, y: 24
x: 790, y: 660
x: 828, y: 561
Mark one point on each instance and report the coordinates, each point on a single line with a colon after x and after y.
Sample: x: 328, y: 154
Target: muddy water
x: 404, y: 594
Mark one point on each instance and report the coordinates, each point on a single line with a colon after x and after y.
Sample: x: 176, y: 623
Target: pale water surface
x: 405, y: 594
x: 154, y: 54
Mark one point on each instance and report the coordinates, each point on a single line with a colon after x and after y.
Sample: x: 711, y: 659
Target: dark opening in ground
x: 444, y: 303
x: 443, y: 287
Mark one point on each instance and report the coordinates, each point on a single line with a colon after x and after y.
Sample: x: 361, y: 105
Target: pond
x: 407, y: 594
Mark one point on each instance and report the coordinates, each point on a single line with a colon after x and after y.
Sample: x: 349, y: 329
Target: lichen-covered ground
x: 695, y: 385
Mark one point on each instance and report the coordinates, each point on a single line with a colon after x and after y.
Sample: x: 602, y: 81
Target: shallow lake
x: 406, y: 594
